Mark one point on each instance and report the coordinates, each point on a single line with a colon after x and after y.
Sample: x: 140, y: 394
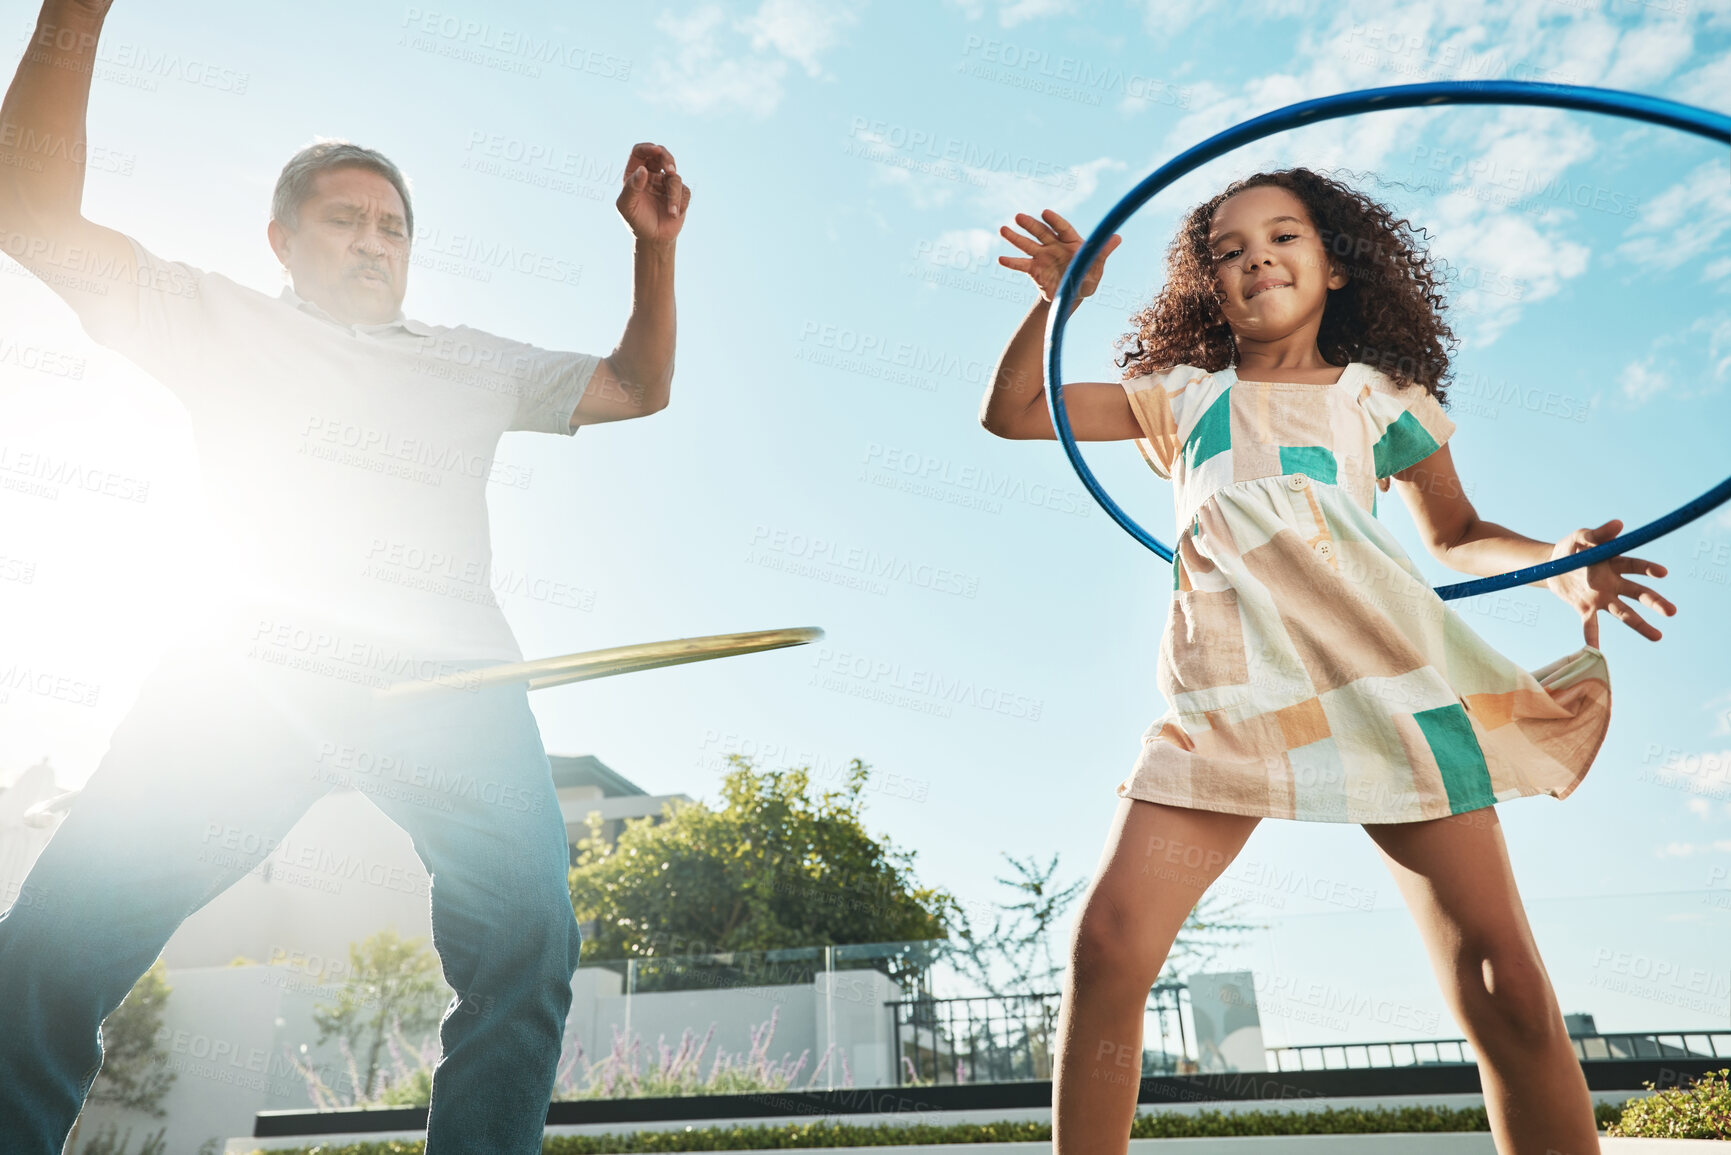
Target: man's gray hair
x: 295, y: 184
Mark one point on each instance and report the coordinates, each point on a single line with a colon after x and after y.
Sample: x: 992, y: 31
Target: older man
x: 346, y: 451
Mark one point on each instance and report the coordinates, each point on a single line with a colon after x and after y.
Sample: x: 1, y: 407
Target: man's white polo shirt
x: 347, y: 467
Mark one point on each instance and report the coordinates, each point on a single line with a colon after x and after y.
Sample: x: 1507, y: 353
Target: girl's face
x: 1270, y: 266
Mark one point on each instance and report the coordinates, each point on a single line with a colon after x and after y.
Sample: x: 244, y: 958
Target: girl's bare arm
x: 1014, y: 406
x: 1455, y: 534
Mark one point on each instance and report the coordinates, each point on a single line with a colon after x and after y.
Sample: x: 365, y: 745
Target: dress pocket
x: 1203, y: 662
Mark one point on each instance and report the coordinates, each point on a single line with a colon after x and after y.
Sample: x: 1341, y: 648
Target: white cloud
x: 1709, y: 84
x: 1164, y: 17
x: 935, y: 169
x: 1641, y: 382
x: 974, y: 242
x: 1014, y: 12
x: 701, y: 77
x: 1649, y: 53
x: 1689, y: 362
x: 1718, y: 345
x: 1700, y: 807
x: 1588, y: 45
x: 1503, y: 214
x: 1508, y: 247
x: 1683, y: 223
x: 1007, y: 192
x: 1688, y: 849
x: 1505, y: 209
x: 801, y: 30
x: 709, y: 71
x: 1704, y: 777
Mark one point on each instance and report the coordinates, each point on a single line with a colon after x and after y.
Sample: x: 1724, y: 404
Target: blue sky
x: 840, y: 309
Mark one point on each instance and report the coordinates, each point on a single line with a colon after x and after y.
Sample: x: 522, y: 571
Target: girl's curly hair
x: 1389, y: 313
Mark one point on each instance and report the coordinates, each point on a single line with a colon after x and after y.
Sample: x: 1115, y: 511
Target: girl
x: 1293, y: 365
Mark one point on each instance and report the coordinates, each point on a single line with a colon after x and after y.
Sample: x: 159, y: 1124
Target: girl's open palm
x: 1604, y: 586
x: 1051, y: 243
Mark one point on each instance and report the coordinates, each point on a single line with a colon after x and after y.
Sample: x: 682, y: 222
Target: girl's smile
x: 1272, y: 272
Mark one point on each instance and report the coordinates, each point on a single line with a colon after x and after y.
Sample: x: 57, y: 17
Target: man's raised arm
x: 635, y: 379
x: 42, y: 152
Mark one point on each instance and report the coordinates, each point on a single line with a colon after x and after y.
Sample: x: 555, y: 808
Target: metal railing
x: 675, y: 965
x: 1009, y: 1038
x: 1654, y: 1045
x: 1343, y: 1056
x: 1431, y: 1052
x: 989, y: 1039
x: 1004, y: 1038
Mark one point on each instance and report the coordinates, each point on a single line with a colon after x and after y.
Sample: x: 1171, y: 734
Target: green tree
x: 770, y: 868
x: 392, y: 982
x: 135, y: 1058
x: 109, y: 1141
x: 1018, y: 953
x: 1214, y: 926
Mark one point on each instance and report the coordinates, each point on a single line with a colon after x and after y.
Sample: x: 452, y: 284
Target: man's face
x: 349, y: 253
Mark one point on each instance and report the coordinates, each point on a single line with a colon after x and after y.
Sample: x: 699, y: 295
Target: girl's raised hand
x: 1603, y: 586
x: 1051, y: 244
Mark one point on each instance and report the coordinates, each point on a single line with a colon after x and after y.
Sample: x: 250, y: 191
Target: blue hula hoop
x: 1628, y: 105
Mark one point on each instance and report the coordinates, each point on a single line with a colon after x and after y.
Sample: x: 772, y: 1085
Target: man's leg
x: 198, y: 784
x: 472, y: 785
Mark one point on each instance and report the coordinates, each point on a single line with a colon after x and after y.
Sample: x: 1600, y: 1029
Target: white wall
x: 863, y: 1028
x: 229, y: 1033
x: 20, y: 842
x: 733, y: 1014
x: 803, y: 1013
x: 344, y: 872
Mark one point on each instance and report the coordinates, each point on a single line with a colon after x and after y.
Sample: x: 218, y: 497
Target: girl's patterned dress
x: 1308, y: 668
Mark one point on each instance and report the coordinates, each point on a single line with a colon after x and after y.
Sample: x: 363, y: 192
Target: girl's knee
x: 1509, y: 996
x: 1111, y: 941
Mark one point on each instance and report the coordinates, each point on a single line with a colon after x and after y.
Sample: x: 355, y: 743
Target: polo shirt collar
x: 395, y: 324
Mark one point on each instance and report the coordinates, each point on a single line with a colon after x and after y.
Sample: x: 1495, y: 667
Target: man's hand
x: 1603, y: 586
x: 42, y: 170
x: 654, y: 199
x: 635, y: 379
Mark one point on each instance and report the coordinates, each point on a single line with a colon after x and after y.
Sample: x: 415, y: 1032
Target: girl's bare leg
x: 1454, y: 874
x: 1157, y: 862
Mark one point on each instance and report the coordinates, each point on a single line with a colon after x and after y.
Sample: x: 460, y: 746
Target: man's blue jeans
x: 217, y: 760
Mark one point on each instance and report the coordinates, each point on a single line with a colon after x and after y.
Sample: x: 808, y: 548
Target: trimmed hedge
x: 1165, y: 1125
x: 1699, y: 1111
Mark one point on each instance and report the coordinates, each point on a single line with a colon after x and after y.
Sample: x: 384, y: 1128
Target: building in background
x: 25, y: 826
x: 588, y: 785
x: 343, y: 873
